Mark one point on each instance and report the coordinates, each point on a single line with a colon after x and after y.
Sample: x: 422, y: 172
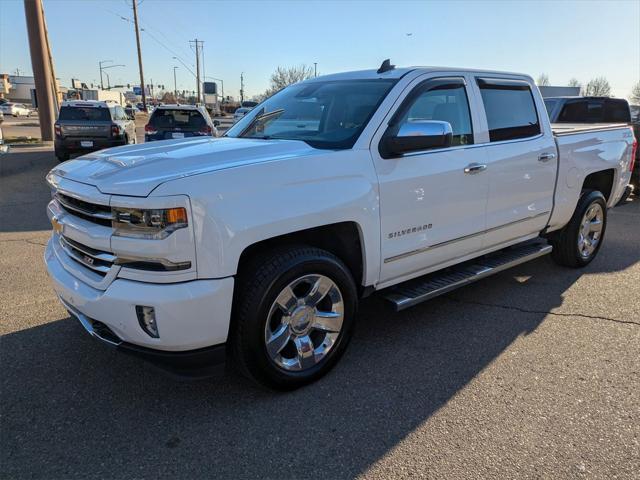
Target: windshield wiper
x: 261, y: 117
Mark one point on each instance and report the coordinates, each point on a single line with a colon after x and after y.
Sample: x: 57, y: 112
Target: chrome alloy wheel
x: 304, y: 322
x: 590, y: 230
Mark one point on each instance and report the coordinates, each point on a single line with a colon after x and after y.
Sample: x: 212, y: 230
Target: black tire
x: 257, y: 287
x: 565, y: 243
x: 62, y: 156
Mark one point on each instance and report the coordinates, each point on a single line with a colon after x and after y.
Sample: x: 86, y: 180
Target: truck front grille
x: 92, y: 212
x: 96, y: 260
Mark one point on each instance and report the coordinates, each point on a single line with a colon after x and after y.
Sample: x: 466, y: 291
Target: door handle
x: 545, y: 157
x: 474, y: 168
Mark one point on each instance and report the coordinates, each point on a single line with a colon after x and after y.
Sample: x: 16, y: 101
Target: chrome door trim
x: 459, y: 239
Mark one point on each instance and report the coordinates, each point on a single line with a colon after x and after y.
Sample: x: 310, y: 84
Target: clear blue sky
x: 563, y: 39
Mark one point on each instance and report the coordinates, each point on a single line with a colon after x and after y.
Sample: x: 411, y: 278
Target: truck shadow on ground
x: 72, y: 408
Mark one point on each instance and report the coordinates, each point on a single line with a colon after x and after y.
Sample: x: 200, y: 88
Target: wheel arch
x: 602, y: 181
x: 344, y: 240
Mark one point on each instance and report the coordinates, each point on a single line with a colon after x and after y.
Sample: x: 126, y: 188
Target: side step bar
x: 418, y: 290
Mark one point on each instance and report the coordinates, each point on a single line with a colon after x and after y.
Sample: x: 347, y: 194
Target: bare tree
x: 598, y: 87
x: 285, y: 76
x: 543, y: 80
x: 574, y: 82
x: 635, y: 94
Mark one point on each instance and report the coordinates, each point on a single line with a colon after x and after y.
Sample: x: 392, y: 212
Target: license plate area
x: 177, y: 135
x: 86, y: 143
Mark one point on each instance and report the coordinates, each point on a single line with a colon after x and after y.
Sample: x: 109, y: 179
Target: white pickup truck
x: 257, y: 246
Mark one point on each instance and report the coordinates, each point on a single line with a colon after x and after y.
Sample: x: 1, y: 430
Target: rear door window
x: 84, y: 114
x: 510, y: 109
x: 180, y: 119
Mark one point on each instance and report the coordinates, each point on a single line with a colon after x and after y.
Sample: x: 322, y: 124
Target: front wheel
x: 578, y: 243
x: 293, y: 316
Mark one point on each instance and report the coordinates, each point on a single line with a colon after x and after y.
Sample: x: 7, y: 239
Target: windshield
x: 323, y: 114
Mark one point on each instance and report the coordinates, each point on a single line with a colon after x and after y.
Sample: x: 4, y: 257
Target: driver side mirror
x: 416, y: 136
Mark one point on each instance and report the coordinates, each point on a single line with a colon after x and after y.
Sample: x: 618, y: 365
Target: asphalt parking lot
x: 533, y: 373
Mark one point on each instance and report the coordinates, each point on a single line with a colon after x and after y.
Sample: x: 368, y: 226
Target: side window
x: 444, y: 101
x: 510, y: 109
x: 121, y: 113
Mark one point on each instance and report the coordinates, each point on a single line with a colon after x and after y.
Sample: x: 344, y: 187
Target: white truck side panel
x: 583, y: 153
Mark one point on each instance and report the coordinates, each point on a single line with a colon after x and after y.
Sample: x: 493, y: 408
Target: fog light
x: 147, y: 320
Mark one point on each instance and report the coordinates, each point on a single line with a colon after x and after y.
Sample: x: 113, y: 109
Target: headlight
x: 153, y: 224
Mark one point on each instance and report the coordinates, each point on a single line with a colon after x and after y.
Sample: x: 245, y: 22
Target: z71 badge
x: 409, y: 230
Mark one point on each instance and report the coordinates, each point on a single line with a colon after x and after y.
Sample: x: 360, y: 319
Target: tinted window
x: 168, y: 118
x: 329, y: 114
x: 616, y: 111
x: 447, y: 103
x: 85, y: 113
x: 510, y: 109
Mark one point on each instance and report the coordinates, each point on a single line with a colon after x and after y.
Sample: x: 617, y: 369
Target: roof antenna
x: 386, y: 66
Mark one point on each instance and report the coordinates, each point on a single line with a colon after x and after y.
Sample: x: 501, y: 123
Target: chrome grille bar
x: 87, y: 256
x: 102, y: 215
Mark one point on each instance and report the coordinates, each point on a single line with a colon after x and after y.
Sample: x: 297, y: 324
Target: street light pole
x: 175, y: 84
x: 100, y: 65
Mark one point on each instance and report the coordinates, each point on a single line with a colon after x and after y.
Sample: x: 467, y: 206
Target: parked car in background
x: 579, y: 110
x: 89, y: 125
x: 131, y: 111
x: 16, y: 109
x: 240, y: 112
x: 179, y: 121
x: 3, y: 147
x: 407, y: 182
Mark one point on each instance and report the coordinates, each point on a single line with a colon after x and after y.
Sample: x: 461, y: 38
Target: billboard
x: 210, y: 88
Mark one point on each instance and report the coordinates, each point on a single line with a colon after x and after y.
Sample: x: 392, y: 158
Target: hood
x: 137, y: 170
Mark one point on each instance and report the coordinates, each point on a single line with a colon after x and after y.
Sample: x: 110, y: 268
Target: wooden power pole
x: 135, y: 21
x: 41, y: 65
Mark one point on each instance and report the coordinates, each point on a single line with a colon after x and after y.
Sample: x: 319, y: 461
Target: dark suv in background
x: 179, y: 121
x: 89, y: 125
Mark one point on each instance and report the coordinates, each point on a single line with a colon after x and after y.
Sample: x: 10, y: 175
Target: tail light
x: 634, y: 151
x: 149, y: 129
x: 115, y: 130
x: 206, y: 130
x: 58, y: 130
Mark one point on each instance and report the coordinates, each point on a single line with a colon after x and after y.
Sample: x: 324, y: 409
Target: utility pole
x: 135, y: 21
x: 41, y: 66
x: 241, y: 88
x: 57, y: 99
x: 175, y: 85
x: 198, y: 47
x: 315, y: 69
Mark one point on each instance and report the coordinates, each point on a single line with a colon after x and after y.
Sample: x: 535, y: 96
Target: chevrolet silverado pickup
x: 257, y: 247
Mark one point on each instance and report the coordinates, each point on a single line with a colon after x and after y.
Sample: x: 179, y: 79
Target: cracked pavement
x: 532, y: 373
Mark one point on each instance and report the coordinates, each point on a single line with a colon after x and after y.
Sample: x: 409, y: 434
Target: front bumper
x: 201, y: 362
x: 192, y: 317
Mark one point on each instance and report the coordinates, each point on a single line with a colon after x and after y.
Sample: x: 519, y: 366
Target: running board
x: 423, y: 288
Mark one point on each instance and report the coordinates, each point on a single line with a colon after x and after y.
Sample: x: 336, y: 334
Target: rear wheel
x: 293, y: 317
x: 578, y: 243
x: 62, y: 155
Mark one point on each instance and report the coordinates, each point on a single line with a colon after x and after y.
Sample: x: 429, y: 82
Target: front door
x: 432, y: 204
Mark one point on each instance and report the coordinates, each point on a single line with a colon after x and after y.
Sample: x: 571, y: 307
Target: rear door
x: 521, y: 160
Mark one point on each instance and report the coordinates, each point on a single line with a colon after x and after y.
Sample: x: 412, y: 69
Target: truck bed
x: 569, y: 128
